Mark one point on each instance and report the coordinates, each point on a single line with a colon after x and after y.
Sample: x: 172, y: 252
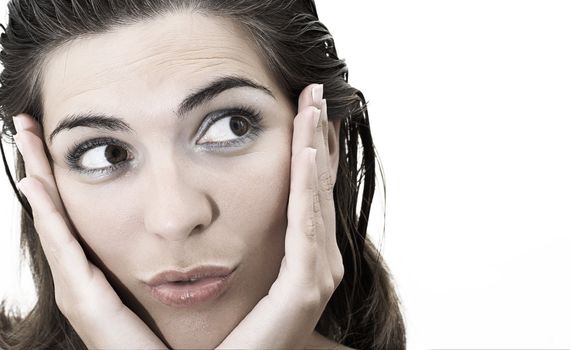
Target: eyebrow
x: 193, y: 100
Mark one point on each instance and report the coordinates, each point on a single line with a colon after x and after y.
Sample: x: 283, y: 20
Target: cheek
x: 254, y: 188
x: 257, y: 196
x: 98, y: 216
x: 255, y: 212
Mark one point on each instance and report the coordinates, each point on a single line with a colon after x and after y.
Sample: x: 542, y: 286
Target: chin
x: 205, y: 325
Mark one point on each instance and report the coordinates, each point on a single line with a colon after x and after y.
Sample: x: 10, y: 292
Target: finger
x: 66, y: 257
x: 325, y: 120
x: 307, y: 117
x: 325, y: 179
x: 312, y: 95
x: 301, y: 240
x: 25, y: 121
x: 323, y: 163
x: 325, y: 187
x: 303, y: 129
x: 37, y: 165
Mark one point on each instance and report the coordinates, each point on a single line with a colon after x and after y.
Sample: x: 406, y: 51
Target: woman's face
x: 179, y: 197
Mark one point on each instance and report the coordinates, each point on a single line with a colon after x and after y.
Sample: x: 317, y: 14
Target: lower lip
x: 186, y: 294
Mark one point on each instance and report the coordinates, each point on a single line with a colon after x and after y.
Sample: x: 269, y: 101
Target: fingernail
x: 317, y: 93
x: 316, y: 118
x: 18, y: 123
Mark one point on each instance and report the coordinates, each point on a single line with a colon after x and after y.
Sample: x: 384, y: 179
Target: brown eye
x: 239, y: 126
x: 115, y: 154
x: 98, y: 157
x: 227, y: 129
x: 103, y: 156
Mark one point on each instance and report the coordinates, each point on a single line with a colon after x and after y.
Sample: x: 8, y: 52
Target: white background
x: 469, y: 102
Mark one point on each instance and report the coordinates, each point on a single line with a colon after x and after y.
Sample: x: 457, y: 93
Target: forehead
x: 133, y: 67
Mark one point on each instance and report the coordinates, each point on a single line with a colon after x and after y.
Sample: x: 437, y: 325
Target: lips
x: 193, y: 275
x: 186, y: 289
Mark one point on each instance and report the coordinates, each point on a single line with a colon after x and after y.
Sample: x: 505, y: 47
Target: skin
x: 176, y: 205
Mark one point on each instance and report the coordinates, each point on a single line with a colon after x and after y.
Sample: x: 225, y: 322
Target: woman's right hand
x: 82, y: 292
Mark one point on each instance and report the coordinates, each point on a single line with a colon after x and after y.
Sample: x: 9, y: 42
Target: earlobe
x: 333, y: 141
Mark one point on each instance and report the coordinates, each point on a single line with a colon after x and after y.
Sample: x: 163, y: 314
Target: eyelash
x: 253, y: 117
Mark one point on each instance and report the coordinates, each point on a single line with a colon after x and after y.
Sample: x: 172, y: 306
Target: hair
x: 364, y: 311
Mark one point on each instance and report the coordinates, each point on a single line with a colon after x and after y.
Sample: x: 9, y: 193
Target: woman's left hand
x: 312, y: 267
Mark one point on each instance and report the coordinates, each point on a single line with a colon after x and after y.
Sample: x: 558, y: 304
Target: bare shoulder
x: 318, y: 341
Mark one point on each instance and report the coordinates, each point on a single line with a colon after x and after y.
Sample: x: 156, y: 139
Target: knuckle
x: 316, y: 203
x: 338, y: 274
x: 306, y: 112
x: 325, y: 184
x: 39, y: 221
x: 320, y: 126
x: 83, y: 311
x: 60, y: 302
x: 328, y: 289
x: 75, y: 312
x: 311, y: 227
x: 299, y: 120
x: 311, y: 300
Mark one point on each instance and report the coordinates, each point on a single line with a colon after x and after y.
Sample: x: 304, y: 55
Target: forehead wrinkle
x: 167, y: 69
x: 155, y: 54
x: 197, y: 66
x: 177, y: 37
x: 155, y: 68
x: 162, y: 52
x: 185, y: 59
x: 173, y: 55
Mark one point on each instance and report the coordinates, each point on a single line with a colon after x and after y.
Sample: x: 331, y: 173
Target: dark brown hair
x: 364, y: 311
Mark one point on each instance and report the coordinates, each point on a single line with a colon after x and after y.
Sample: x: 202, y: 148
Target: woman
x: 191, y: 178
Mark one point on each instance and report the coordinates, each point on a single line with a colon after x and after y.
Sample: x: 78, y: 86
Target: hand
x: 312, y: 267
x: 82, y: 292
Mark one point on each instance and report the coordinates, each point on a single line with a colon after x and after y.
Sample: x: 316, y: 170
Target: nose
x: 175, y: 205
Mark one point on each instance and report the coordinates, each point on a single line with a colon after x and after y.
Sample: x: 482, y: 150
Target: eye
x: 98, y: 156
x: 230, y: 128
x: 110, y: 154
x: 223, y: 129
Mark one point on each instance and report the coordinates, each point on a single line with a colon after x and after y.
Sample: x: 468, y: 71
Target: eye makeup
x: 249, y: 115
x: 253, y: 118
x: 75, y: 153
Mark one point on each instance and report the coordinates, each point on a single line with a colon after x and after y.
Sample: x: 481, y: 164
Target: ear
x: 334, y: 145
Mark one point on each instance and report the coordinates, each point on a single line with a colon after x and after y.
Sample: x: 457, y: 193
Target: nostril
x: 198, y: 229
